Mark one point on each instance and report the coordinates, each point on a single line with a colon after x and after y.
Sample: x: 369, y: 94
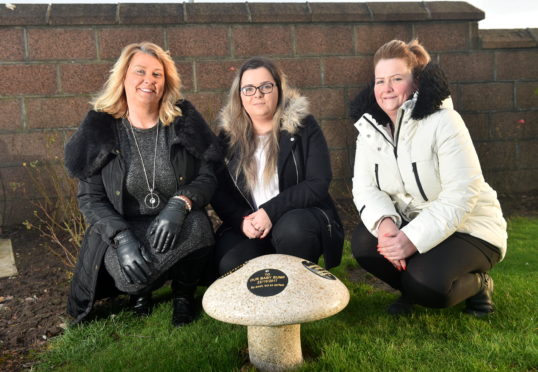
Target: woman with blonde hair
x: 273, y: 193
x: 144, y: 159
x: 431, y: 226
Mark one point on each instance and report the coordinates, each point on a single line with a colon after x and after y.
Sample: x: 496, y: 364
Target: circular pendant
x: 152, y: 200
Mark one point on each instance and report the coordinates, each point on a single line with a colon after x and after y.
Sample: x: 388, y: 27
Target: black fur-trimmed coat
x: 304, y: 176
x: 93, y: 156
x: 427, y: 173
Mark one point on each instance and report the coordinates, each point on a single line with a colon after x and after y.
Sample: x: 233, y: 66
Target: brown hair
x: 413, y: 53
x: 112, y: 99
x: 237, y: 123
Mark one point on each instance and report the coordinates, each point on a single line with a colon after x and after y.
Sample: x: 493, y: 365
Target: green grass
x: 363, y: 337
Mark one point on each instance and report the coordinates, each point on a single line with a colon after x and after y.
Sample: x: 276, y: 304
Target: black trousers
x: 296, y: 233
x: 442, y: 277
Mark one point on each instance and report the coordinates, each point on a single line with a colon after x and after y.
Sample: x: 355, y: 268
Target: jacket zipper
x: 377, y: 175
x: 398, y: 135
x: 238, y: 189
x: 419, y: 184
x: 296, y: 167
x: 377, y: 129
x: 329, y: 226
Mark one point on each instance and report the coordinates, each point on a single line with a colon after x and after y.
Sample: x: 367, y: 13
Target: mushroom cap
x: 273, y: 290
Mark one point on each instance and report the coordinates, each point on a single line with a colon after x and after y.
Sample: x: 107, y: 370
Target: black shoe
x: 402, y: 306
x: 481, y: 304
x: 182, y: 311
x: 141, y: 305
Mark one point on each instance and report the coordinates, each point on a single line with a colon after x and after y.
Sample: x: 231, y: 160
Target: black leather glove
x: 165, y: 228
x: 133, y: 257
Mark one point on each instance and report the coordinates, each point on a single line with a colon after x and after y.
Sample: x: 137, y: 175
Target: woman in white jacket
x: 431, y: 226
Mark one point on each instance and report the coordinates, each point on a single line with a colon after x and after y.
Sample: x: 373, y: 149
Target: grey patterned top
x: 136, y: 187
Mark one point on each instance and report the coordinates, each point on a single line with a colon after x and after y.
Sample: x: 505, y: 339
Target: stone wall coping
x: 509, y: 38
x: 166, y: 13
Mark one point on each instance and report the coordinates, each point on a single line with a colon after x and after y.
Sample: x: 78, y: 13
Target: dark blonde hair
x: 414, y: 54
x: 238, y: 125
x: 112, y: 98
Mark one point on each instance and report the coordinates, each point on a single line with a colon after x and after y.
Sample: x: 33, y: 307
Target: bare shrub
x: 57, y: 215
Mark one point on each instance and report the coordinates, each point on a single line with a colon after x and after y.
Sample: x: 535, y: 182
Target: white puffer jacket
x: 429, y: 175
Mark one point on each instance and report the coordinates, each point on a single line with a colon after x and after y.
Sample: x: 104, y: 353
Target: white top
x: 262, y: 191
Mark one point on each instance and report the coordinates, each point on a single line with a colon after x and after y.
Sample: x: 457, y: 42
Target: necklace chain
x: 152, y: 199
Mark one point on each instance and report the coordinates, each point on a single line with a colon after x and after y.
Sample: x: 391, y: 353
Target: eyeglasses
x: 250, y: 90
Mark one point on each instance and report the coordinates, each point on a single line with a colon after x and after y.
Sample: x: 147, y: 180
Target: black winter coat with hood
x: 304, y: 176
x: 93, y: 156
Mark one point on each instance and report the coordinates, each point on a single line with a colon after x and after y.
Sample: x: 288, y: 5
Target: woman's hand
x: 387, y: 227
x: 399, y: 264
x: 260, y: 222
x: 164, y: 230
x: 249, y: 230
x: 387, y: 233
x: 132, y: 257
x: 396, y: 247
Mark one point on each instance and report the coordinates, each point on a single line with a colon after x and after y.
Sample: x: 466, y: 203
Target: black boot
x: 141, y: 304
x: 481, y: 304
x: 183, y: 305
x: 402, y: 306
x: 183, y: 310
x: 185, y: 277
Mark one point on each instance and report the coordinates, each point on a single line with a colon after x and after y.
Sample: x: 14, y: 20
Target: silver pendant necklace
x: 151, y: 200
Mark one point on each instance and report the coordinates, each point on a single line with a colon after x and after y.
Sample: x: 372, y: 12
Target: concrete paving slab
x: 7, y: 259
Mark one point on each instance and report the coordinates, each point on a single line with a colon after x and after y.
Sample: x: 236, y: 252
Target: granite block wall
x: 55, y: 57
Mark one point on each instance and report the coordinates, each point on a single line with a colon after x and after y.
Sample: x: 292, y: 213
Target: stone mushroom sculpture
x: 272, y: 295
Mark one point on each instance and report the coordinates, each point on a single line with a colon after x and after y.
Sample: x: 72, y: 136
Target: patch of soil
x: 348, y: 214
x: 32, y: 303
x: 358, y: 275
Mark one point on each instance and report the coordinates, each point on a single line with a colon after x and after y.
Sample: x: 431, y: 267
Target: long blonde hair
x: 235, y: 121
x: 112, y: 98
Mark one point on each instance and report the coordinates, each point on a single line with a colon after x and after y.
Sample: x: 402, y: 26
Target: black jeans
x: 296, y: 233
x: 442, y: 277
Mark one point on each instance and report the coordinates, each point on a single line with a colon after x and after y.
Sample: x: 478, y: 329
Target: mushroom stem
x: 276, y: 348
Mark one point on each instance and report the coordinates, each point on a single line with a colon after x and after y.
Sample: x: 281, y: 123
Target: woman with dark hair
x: 144, y: 157
x: 273, y: 193
x: 431, y: 226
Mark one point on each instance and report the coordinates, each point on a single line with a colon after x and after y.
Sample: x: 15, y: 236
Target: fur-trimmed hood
x: 96, y: 140
x: 433, y: 90
x: 295, y: 110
